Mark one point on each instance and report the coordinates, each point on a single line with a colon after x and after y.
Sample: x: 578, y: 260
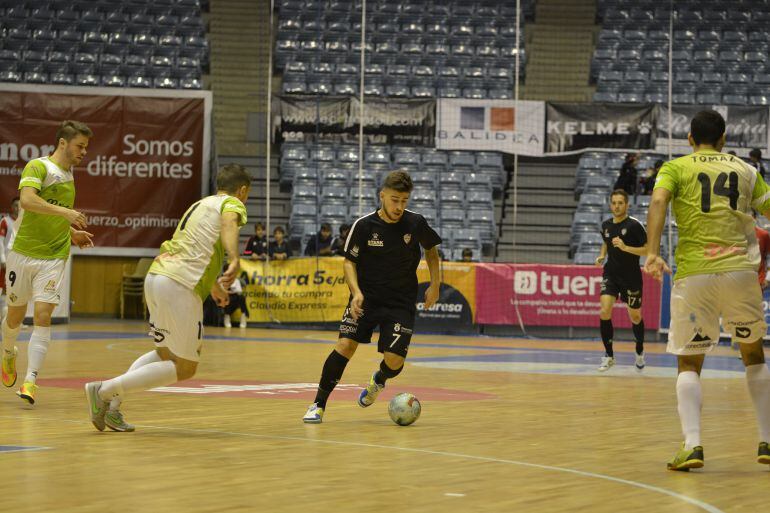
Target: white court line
x: 695, y: 502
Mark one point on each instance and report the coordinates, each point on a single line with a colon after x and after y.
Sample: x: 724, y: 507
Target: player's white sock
x: 9, y: 336
x: 688, y: 393
x: 143, y: 360
x: 36, y: 351
x: 156, y: 374
x: 758, y: 381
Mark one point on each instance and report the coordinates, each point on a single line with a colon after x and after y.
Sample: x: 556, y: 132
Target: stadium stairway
x: 560, y: 51
x: 256, y: 205
x: 239, y: 34
x: 546, y: 207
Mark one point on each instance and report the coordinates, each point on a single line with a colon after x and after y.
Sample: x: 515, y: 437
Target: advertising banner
x: 552, y: 295
x: 146, y: 163
x: 746, y: 126
x: 576, y: 126
x: 455, y: 309
x: 314, y: 290
x: 491, y: 125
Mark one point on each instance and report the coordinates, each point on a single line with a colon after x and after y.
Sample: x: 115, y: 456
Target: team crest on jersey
x: 13, y: 297
x: 623, y: 231
x: 50, y: 286
x: 375, y: 240
x: 407, y: 238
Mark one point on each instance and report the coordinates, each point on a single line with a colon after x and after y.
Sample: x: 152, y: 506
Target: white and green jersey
x: 194, y: 256
x: 40, y: 235
x: 713, y: 195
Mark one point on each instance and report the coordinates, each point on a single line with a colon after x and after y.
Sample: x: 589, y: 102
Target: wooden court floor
x: 508, y: 425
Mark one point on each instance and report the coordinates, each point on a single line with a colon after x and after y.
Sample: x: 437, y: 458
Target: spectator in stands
x: 338, y: 245
x: 467, y: 255
x: 279, y: 248
x: 628, y: 174
x: 256, y: 247
x: 755, y: 158
x: 321, y: 243
x: 648, y: 182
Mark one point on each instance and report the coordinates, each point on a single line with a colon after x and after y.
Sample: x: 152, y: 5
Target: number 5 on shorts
x: 396, y: 336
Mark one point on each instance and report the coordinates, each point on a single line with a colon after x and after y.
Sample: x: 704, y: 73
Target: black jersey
x: 387, y: 255
x: 621, y: 263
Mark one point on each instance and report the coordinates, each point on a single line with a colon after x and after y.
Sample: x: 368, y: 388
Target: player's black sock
x: 334, y: 366
x: 385, y: 373
x: 605, y: 327
x: 639, y: 336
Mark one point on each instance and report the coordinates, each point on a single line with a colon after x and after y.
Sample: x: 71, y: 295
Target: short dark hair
x: 69, y: 129
x: 326, y: 226
x: 756, y: 153
x: 707, y: 127
x: 344, y: 227
x: 398, y: 181
x: 232, y: 177
x: 619, y: 192
x: 468, y: 252
x: 258, y: 225
x: 279, y: 229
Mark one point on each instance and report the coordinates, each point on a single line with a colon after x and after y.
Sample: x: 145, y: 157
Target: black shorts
x: 630, y: 291
x: 396, y: 325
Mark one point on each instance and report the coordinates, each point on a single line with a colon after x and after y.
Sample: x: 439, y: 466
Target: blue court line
x: 511, y: 354
x: 20, y: 448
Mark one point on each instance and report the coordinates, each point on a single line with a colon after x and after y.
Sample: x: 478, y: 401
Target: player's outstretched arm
x: 30, y: 200
x: 656, y: 216
x: 434, y: 267
x: 229, y: 236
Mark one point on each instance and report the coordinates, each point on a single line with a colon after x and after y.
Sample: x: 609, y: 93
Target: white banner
x: 491, y: 125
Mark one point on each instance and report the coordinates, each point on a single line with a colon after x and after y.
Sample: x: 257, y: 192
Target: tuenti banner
x: 146, y: 163
x: 576, y: 126
x: 552, y: 295
x: 491, y: 125
x: 746, y: 126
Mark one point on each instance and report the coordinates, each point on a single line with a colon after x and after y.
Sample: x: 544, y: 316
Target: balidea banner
x: 146, y: 163
x: 490, y: 125
x: 746, y: 126
x: 576, y: 126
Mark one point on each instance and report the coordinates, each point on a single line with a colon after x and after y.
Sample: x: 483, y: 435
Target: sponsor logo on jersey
x: 13, y: 297
x: 375, y: 240
x: 407, y: 238
x: 742, y: 332
x: 50, y: 286
x: 623, y: 231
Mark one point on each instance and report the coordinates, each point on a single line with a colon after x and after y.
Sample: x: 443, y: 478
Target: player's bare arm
x: 602, y: 255
x: 357, y: 302
x: 229, y: 235
x: 656, y: 216
x: 81, y: 238
x: 31, y: 201
x: 634, y: 250
x: 219, y: 293
x: 432, y: 292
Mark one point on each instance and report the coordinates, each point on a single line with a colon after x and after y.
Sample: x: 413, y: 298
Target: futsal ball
x: 404, y: 409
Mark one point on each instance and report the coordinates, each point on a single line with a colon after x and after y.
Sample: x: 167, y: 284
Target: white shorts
x: 176, y: 316
x: 33, y: 279
x: 697, y: 303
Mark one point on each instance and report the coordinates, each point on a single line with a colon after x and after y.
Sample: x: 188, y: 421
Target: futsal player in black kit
x: 625, y: 240
x: 382, y: 253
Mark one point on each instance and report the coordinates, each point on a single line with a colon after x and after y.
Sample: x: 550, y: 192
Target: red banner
x: 146, y: 162
x: 552, y: 295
